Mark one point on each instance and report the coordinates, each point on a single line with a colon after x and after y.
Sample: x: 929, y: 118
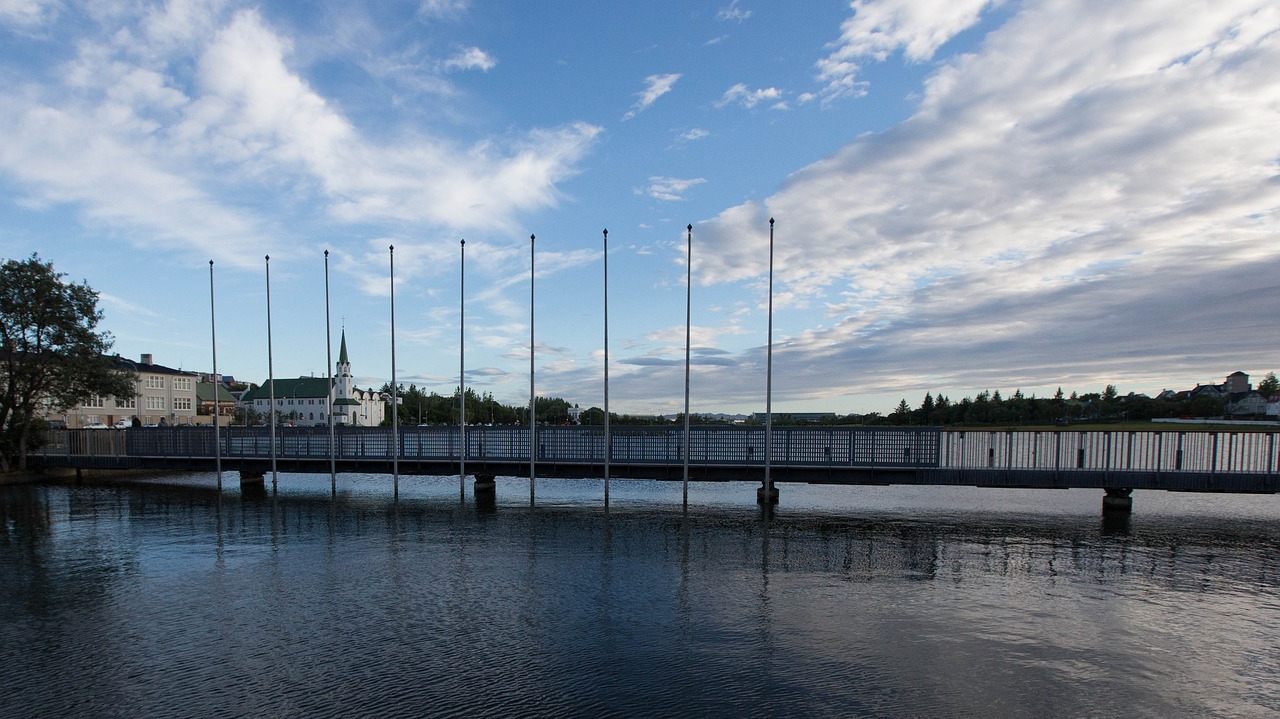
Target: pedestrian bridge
x: 1116, y: 461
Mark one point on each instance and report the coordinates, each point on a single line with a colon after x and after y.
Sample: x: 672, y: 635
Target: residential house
x: 226, y: 402
x: 162, y: 395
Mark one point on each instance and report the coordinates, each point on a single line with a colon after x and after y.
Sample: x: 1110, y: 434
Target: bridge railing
x: 729, y: 446
x: 1122, y: 451
x: 1159, y: 452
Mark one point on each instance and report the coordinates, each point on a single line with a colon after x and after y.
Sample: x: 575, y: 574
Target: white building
x: 304, y: 401
x: 162, y: 395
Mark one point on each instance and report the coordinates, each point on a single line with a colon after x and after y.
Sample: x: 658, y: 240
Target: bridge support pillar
x: 486, y: 492
x: 1118, y: 501
x: 769, y: 497
x: 252, y: 479
x: 485, y: 485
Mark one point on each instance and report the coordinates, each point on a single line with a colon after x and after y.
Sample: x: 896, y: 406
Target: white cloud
x: 739, y: 94
x: 669, y: 188
x: 443, y: 8
x: 733, y: 12
x: 879, y: 28
x: 694, y: 135
x: 1077, y: 198
x: 135, y: 144
x: 26, y: 14
x: 655, y: 86
x: 473, y: 58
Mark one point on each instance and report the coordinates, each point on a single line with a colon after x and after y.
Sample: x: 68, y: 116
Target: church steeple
x: 345, y: 403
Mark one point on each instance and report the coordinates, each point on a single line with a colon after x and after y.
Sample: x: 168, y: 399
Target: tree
x: 49, y: 352
x: 1270, y: 386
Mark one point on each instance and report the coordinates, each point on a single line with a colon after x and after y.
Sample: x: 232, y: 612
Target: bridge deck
x: 1173, y: 460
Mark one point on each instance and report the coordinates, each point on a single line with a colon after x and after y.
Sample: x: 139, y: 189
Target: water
x: 166, y: 600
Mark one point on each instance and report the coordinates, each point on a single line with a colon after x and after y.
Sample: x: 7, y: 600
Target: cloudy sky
x: 967, y: 194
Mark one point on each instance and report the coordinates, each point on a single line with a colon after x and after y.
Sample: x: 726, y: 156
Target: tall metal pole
x: 328, y: 360
x: 462, y: 368
x: 395, y: 399
x: 688, y: 315
x: 271, y: 381
x: 217, y: 382
x: 533, y: 397
x: 608, y: 438
x: 768, y: 402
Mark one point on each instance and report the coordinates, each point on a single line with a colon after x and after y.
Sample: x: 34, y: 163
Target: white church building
x: 304, y: 401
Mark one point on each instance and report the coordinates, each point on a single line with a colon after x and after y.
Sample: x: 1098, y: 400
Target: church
x: 303, y: 402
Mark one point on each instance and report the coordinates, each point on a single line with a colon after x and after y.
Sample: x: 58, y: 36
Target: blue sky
x: 968, y: 195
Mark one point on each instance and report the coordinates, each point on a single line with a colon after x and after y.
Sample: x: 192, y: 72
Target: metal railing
x: 1160, y: 452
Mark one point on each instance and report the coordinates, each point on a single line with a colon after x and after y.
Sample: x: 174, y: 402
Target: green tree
x: 49, y: 352
x: 1270, y: 386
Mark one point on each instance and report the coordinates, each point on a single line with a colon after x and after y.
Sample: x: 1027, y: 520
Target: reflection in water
x: 172, y: 601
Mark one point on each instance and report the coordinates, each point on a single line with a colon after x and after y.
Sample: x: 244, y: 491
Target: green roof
x: 204, y: 393
x: 300, y: 388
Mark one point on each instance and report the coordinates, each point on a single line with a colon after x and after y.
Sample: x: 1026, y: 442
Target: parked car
x: 96, y: 425
x: 121, y: 424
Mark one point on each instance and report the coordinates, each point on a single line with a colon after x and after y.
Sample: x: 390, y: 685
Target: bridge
x: 1114, y: 461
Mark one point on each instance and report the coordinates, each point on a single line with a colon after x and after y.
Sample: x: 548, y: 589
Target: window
x: 94, y: 403
x: 182, y: 384
x: 182, y: 403
x: 153, y: 382
x: 131, y: 403
x: 155, y: 403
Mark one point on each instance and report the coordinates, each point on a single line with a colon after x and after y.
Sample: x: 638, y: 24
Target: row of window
x: 282, y: 401
x: 153, y: 381
x: 101, y: 403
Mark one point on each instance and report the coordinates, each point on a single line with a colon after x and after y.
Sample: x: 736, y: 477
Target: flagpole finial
x: 393, y: 247
x: 531, y: 238
x: 690, y: 227
x: 606, y: 232
x: 268, y: 258
x: 211, y: 263
x: 462, y: 243
x: 326, y: 253
x: 771, y: 222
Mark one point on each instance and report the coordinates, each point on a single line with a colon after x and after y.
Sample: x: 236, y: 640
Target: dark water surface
x: 168, y: 600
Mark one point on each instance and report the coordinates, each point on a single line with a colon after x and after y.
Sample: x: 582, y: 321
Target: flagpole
x: 328, y: 359
x: 217, y: 382
x: 768, y: 498
x: 462, y: 368
x: 688, y: 315
x: 395, y: 401
x: 608, y: 438
x: 533, y: 397
x: 271, y: 382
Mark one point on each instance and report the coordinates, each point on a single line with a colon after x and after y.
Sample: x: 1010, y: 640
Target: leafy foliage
x: 49, y: 352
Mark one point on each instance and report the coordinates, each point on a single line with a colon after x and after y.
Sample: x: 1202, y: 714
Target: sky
x: 966, y: 195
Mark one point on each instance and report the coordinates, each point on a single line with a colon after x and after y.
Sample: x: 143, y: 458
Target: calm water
x: 166, y: 600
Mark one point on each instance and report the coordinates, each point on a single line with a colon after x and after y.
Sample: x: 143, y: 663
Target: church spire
x: 342, y: 353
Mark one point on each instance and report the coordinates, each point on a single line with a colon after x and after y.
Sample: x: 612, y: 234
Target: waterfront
x: 171, y: 600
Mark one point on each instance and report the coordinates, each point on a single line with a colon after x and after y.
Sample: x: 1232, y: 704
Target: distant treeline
x: 987, y: 408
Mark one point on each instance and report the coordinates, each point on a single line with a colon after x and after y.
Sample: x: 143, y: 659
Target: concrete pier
x: 772, y: 497
x: 486, y: 493
x: 1118, y: 500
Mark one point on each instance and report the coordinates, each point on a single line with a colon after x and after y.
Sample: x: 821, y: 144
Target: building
x: 162, y: 395
x: 304, y: 401
x: 205, y: 393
